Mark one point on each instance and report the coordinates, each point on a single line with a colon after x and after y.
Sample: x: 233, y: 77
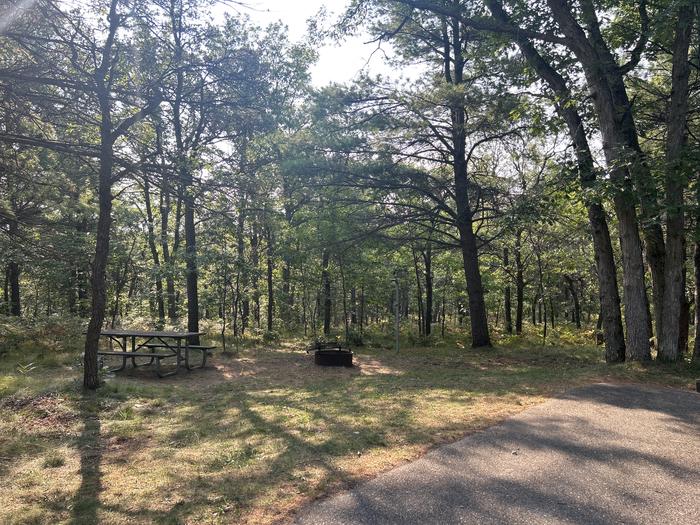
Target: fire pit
x: 331, y: 354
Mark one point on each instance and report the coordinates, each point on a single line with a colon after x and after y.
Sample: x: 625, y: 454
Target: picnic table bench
x: 155, y: 345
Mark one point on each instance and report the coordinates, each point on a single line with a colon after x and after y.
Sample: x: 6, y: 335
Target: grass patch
x: 54, y: 459
x: 259, y: 434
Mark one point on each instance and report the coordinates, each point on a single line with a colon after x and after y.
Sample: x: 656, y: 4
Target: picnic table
x: 155, y: 346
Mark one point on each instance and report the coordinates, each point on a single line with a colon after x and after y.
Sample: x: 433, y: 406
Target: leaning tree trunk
x: 626, y: 164
x: 602, y: 245
x: 676, y: 182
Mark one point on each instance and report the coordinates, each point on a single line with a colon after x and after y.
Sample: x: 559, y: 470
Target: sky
x: 337, y: 63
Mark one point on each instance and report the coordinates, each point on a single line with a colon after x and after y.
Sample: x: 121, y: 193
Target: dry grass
x: 257, y: 436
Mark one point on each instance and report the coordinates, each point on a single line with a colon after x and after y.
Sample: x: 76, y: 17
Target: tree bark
x: 255, y: 263
x: 419, y: 292
x: 326, y: 284
x: 99, y: 265
x: 154, y: 251
x: 602, y: 245
x: 240, y: 231
x: 353, y: 306
x: 576, y: 317
x: 454, y: 74
x: 696, y: 265
x: 270, y: 288
x: 13, y: 274
x: 507, y: 308
x: 186, y: 180
x: 91, y: 378
x: 675, y: 183
x: 192, y: 274
x: 168, y: 259
x: 519, y: 284
x: 626, y: 165
x: 428, y: 317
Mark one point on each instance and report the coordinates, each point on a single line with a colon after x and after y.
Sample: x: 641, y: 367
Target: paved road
x: 601, y: 454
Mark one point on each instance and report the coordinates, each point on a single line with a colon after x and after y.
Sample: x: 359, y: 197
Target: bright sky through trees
x: 338, y: 62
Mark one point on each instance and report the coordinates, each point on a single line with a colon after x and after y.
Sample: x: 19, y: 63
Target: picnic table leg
x: 125, y: 350
x: 123, y: 358
x: 187, y: 352
x: 201, y: 365
x: 152, y: 358
x: 133, y: 349
x: 178, y: 358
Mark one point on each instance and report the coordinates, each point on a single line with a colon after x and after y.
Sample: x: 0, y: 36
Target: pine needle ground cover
x: 260, y: 433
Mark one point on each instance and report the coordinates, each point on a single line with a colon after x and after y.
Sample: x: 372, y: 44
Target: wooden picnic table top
x: 149, y: 333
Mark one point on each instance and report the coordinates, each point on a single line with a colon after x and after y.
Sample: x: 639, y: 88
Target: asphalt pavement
x: 600, y: 454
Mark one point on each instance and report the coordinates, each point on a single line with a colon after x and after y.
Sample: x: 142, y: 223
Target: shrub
x: 355, y: 338
x: 271, y: 336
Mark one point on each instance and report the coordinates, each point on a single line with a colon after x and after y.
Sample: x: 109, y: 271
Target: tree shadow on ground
x: 679, y: 405
x: 559, y: 468
x: 86, y: 502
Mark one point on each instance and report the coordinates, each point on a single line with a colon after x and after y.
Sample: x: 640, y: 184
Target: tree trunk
x: 286, y: 312
x: 506, y: 294
x: 626, y: 164
x: 454, y: 74
x: 270, y: 288
x: 245, y: 300
x: 602, y: 245
x: 428, y: 317
x: 576, y: 317
x: 419, y: 292
x: 519, y: 284
x: 255, y: 263
x: 676, y: 182
x: 345, y: 303
x: 696, y: 265
x: 186, y: 183
x: 13, y: 273
x: 551, y: 311
x: 535, y: 302
x: 154, y: 251
x: 353, y: 306
x: 326, y: 284
x: 91, y: 378
x: 362, y: 308
x: 165, y: 249
x: 191, y: 266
